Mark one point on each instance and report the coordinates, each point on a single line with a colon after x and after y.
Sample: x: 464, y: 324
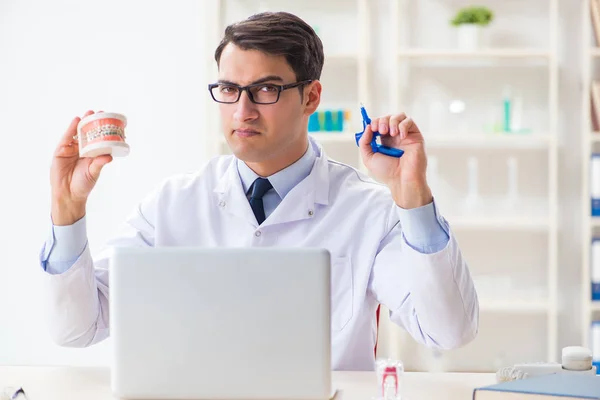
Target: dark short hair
x: 278, y: 34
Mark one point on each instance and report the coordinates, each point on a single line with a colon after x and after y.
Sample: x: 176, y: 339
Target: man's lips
x: 245, y: 132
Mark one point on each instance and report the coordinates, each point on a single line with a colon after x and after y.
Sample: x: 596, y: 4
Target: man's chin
x: 247, y: 154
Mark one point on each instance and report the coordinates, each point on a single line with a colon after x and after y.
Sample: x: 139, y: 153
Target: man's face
x: 264, y: 133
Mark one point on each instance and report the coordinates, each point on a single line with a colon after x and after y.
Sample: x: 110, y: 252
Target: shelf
x: 491, y: 53
x: 589, y: 139
x: 518, y: 306
x: 491, y: 140
x: 509, y: 141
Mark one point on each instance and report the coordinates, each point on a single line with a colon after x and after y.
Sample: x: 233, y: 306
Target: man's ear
x: 312, y: 97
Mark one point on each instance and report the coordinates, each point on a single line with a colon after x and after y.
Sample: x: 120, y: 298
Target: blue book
x: 560, y: 386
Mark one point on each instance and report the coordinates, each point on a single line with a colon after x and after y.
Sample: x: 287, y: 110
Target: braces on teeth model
x: 102, y: 133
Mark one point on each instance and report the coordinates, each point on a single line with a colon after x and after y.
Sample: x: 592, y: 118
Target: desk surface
x: 66, y: 383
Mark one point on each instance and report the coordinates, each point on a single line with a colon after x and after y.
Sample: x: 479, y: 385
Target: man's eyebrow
x: 261, y: 80
x: 269, y: 78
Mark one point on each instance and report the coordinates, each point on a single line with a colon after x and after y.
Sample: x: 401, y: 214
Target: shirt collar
x: 284, y: 180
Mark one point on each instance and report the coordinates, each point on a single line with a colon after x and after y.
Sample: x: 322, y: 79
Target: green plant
x: 473, y: 15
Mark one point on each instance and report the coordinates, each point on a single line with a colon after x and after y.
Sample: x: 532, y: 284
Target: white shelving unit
x: 481, y: 54
x: 516, y: 307
x: 590, y: 141
x: 541, y: 220
x: 476, y: 141
x: 535, y: 215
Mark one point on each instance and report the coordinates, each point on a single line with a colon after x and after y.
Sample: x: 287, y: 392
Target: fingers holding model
x: 86, y: 147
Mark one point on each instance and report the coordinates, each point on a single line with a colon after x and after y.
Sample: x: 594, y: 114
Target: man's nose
x: 245, y: 108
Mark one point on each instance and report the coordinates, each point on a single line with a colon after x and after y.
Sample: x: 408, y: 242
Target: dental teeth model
x: 102, y: 133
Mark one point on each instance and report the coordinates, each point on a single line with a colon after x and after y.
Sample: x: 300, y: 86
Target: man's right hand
x: 72, y: 178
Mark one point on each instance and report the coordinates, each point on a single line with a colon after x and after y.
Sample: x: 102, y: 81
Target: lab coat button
x: 257, y: 233
x: 222, y: 203
x: 310, y: 213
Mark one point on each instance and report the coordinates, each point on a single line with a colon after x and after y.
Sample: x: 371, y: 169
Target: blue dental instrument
x: 376, y: 147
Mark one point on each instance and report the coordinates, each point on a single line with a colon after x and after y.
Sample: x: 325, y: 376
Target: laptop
x: 220, y: 323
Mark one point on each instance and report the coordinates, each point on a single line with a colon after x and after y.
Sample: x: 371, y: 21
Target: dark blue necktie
x: 258, y: 190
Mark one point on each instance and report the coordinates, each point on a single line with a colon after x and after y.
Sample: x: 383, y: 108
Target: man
x: 388, y: 242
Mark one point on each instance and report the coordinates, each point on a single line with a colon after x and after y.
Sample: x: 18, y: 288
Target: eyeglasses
x: 258, y: 93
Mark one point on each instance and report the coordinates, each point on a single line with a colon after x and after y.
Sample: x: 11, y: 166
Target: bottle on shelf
x: 595, y: 344
x: 595, y: 268
x: 595, y: 184
x: 329, y: 120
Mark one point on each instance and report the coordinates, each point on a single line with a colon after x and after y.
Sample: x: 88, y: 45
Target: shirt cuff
x: 422, y: 228
x: 64, y: 246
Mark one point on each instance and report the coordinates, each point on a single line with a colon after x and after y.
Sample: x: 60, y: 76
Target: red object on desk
x: 377, y: 330
x: 391, y: 372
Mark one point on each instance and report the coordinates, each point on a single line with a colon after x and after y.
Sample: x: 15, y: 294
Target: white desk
x: 77, y: 383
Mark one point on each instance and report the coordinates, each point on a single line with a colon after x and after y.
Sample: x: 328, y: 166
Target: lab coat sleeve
x: 64, y: 245
x: 77, y: 299
x: 431, y: 295
x: 422, y: 229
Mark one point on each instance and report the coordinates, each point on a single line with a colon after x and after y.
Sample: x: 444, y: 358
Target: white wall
x: 57, y: 60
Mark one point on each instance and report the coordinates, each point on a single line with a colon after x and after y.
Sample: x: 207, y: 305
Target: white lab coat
x: 431, y: 295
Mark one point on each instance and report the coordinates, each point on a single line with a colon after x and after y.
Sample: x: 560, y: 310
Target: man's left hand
x: 405, y: 176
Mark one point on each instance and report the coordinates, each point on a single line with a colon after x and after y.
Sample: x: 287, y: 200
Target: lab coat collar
x: 283, y: 181
x: 297, y: 205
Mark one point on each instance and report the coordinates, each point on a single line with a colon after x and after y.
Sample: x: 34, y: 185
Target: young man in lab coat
x: 388, y: 242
